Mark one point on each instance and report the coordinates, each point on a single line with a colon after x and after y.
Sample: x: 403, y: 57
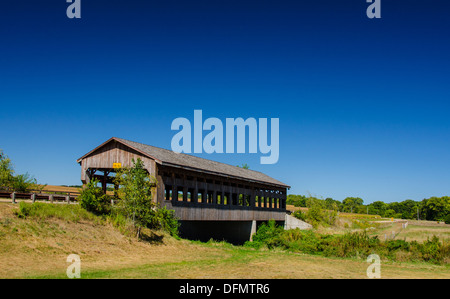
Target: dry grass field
x: 61, y: 189
x: 38, y: 248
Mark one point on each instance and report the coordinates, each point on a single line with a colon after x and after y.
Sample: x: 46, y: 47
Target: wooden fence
x: 48, y: 196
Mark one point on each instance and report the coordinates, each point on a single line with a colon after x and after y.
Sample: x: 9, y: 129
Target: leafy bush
x: 431, y: 250
x: 136, y: 203
x: 40, y: 210
x: 447, y: 219
x: 93, y: 199
x: 318, y: 215
x: 315, y: 214
x: 356, y: 244
x: 393, y: 245
x: 298, y: 240
x: 352, y: 244
x: 299, y: 215
x: 165, y: 219
x: 23, y: 182
x: 266, y: 234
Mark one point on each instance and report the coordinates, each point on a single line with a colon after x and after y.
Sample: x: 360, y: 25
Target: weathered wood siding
x: 199, y: 212
x: 114, y: 152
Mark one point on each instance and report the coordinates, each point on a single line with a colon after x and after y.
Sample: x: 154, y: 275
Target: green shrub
x: 447, y: 219
x: 431, y: 250
x: 40, y: 210
x: 268, y: 234
x: 393, y: 245
x: 93, y: 199
x: 298, y: 240
x: 165, y: 219
x: 352, y: 244
x: 299, y: 215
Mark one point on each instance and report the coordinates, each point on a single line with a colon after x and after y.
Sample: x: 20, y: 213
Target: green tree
x: 9, y: 181
x: 332, y: 204
x: 315, y: 213
x: 94, y: 200
x: 351, y: 203
x: 23, y: 182
x: 436, y: 208
x: 378, y: 208
x: 296, y: 200
x: 6, y: 172
x: 135, y: 193
x: 389, y: 213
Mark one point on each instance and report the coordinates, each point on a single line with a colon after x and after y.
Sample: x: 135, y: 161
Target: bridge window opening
x: 167, y: 193
x: 225, y: 200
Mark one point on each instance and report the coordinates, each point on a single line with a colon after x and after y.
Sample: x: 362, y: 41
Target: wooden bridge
x: 199, y: 190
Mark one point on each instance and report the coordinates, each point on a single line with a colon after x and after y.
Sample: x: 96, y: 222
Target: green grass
x: 37, y: 238
x: 238, y: 262
x: 71, y: 213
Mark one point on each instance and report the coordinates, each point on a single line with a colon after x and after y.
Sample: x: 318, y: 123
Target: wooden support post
x: 283, y: 200
x: 174, y: 188
x: 204, y: 196
x: 185, y: 194
x: 33, y: 197
x: 252, y: 198
x: 68, y: 198
x: 194, y: 197
x: 222, y: 194
x: 185, y: 189
x: 174, y: 193
x: 104, y: 180
x: 13, y: 197
x: 214, y: 197
x: 50, y: 198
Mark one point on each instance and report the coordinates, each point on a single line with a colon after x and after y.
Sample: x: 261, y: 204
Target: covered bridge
x: 211, y: 199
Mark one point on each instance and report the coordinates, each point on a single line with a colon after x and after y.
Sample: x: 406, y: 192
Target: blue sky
x: 363, y: 103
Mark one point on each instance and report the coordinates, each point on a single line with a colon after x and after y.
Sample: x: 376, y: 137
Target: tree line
x: 10, y: 181
x: 433, y: 208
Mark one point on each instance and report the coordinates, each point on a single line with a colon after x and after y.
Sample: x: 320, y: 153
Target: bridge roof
x: 169, y: 158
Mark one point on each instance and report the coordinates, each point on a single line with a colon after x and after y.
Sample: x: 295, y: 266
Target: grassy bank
x: 36, y: 243
x: 351, y: 244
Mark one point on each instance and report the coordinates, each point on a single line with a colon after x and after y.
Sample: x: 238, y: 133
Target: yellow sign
x: 117, y: 165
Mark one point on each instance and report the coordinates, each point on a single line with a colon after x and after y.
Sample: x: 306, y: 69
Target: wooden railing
x: 37, y: 195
